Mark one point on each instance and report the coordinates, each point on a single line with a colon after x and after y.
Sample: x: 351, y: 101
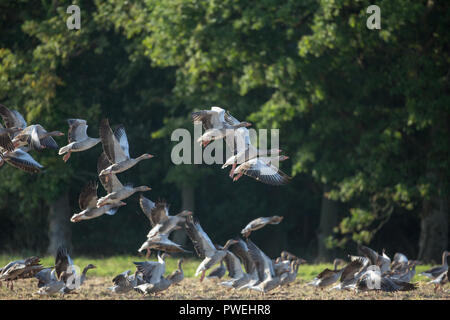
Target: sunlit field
x: 99, y: 279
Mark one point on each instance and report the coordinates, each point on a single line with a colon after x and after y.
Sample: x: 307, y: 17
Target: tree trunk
x: 328, y: 220
x: 188, y: 202
x: 59, y: 232
x: 433, y: 229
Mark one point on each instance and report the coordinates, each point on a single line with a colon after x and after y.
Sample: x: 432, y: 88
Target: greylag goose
x: 440, y: 280
x: 259, y: 223
x: 399, y: 261
x: 36, y: 138
x: 116, y: 190
x: 289, y: 277
x: 148, y: 288
x: 88, y: 204
x: 65, y: 270
x: 327, y: 277
x: 217, y: 123
x: 382, y: 261
x: 49, y: 283
x: 22, y: 160
x: 116, y: 148
x: 152, y: 271
x: 235, y: 272
x: 372, y: 280
x: 20, y: 269
x: 242, y: 148
x: 435, y: 272
x: 204, y: 247
x: 352, y: 272
x: 124, y: 283
x: 177, y: 275
x: 78, y: 138
x: 268, y: 280
x: 262, y: 169
x: 160, y: 220
x: 404, y: 274
x: 161, y: 242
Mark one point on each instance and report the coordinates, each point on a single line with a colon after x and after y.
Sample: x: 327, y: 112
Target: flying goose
x: 217, y: 124
x: 435, y: 272
x: 116, y: 147
x: 116, y: 191
x: 36, y: 138
x: 161, y: 242
x: 22, y: 160
x: 259, y: 223
x: 262, y: 169
x: 204, y: 247
x: 5, y: 137
x: 78, y: 138
x: 160, y: 220
x: 88, y: 204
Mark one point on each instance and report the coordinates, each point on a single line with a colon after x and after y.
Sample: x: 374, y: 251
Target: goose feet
x: 66, y: 156
x: 232, y: 170
x: 203, y: 275
x: 149, y: 252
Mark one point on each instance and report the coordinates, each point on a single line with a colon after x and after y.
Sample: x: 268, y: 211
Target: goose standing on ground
x: 259, y: 223
x: 88, y: 204
x: 289, y: 277
x: 116, y: 190
x: 20, y: 269
x: 78, y: 138
x: 435, y: 272
x: 372, y: 280
x: 262, y: 169
x: 177, y: 275
x: 216, y: 123
x: 152, y: 271
x: 204, y: 247
x: 327, y: 277
x: 116, y: 148
x: 441, y: 280
x: 22, y: 160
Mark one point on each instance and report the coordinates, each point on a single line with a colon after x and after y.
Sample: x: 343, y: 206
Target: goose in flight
x: 262, y: 169
x: 217, y: 124
x: 243, y: 149
x: 33, y: 136
x: 88, y: 204
x: 78, y: 138
x: 259, y: 223
x: 116, y: 148
x: 5, y: 137
x: 204, y: 247
x: 115, y: 189
x: 21, y: 159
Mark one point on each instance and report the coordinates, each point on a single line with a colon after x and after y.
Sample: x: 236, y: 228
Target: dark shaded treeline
x: 363, y: 115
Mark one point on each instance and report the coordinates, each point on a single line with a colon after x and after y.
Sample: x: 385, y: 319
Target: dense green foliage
x: 362, y: 111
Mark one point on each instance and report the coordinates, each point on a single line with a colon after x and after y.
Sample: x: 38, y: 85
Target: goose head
x: 142, y: 189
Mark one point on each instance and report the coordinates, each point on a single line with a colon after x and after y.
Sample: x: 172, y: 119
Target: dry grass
x: 95, y: 288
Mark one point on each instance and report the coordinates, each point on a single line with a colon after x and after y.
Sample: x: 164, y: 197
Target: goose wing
x: 88, y: 196
x: 111, y: 144
x: 121, y: 280
x: 110, y: 182
x: 349, y: 271
x: 265, y: 172
x: 263, y: 263
x: 23, y: 160
x: 202, y: 243
x: 241, y: 250
x: 12, y: 118
x: 77, y: 130
x: 233, y: 266
x: 62, y: 262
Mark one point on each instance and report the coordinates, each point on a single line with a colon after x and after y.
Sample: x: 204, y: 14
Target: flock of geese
x: 247, y: 265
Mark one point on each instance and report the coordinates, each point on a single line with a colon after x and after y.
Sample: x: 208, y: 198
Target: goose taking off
x: 204, y: 247
x: 116, y: 148
x: 20, y: 269
x: 327, y: 277
x: 259, y: 223
x: 22, y: 160
x: 78, y: 138
x: 262, y: 169
x: 116, y: 190
x: 88, y: 204
x: 124, y: 283
x: 217, y: 124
